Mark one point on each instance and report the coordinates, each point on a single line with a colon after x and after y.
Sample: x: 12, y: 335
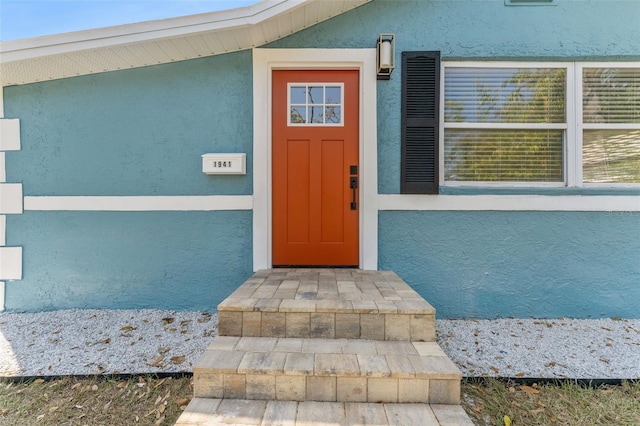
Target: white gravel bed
x: 103, y: 341
x: 83, y: 342
x: 560, y: 348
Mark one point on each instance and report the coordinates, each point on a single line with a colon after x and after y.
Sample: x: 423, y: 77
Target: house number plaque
x: 224, y: 164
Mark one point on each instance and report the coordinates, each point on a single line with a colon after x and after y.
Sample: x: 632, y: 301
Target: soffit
x: 159, y: 42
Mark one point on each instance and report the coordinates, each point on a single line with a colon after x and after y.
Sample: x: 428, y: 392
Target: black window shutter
x: 420, y: 118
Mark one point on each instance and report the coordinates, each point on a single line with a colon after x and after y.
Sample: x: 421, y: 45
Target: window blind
x: 520, y: 114
x: 611, y: 95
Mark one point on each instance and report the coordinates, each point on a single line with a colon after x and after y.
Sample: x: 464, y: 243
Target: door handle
x: 353, y: 184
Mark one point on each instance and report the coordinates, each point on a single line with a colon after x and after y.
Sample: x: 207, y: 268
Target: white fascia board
x: 10, y: 263
x: 592, y: 203
x: 9, y: 134
x: 10, y: 198
x: 144, y: 31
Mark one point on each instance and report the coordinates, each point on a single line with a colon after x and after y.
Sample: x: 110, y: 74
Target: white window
x: 512, y: 124
x: 610, y: 124
x: 315, y: 104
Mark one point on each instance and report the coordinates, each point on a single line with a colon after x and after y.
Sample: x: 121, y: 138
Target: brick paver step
x: 346, y: 370
x: 267, y: 413
x: 327, y: 303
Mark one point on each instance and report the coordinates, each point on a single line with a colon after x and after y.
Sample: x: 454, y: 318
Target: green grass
x: 488, y: 401
x: 94, y: 401
x: 153, y: 401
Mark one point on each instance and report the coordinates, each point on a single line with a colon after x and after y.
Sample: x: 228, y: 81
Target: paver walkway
x: 325, y: 347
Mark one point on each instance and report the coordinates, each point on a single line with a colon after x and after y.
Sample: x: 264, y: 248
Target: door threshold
x: 317, y: 266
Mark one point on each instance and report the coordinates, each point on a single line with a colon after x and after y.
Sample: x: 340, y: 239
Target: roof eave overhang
x: 163, y: 41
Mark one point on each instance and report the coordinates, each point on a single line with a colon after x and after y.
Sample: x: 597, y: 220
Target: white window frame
x: 574, y: 126
x: 567, y: 126
x: 323, y: 104
x: 581, y: 127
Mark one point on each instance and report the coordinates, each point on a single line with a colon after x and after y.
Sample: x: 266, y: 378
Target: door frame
x: 264, y: 62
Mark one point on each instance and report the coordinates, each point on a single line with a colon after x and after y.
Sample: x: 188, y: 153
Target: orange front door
x: 315, y: 168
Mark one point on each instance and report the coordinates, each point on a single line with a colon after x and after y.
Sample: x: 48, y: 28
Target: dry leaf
x: 38, y: 381
x: 105, y: 341
x: 177, y: 359
x: 167, y: 320
x: 128, y: 328
x: 182, y: 401
x: 53, y: 409
x: 529, y: 389
x: 157, y: 361
x: 94, y: 387
x: 521, y: 374
x: 495, y: 369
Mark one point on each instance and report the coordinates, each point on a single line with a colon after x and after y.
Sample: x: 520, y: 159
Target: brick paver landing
x: 325, y: 346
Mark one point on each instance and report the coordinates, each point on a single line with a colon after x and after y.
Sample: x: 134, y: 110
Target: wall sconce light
x: 385, y: 55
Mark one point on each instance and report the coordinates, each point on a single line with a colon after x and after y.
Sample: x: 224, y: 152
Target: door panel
x: 313, y: 220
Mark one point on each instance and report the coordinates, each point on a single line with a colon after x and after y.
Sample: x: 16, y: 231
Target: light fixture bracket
x: 385, y: 55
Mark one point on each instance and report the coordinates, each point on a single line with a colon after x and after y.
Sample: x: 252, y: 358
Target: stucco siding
x: 118, y: 260
x: 518, y: 264
x: 473, y: 30
x: 134, y: 132
x: 141, y: 132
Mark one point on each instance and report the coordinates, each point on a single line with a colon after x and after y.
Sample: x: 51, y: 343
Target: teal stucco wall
x: 142, y: 132
x: 474, y: 30
x: 118, y: 260
x: 137, y: 132
x: 497, y: 264
x: 134, y: 132
x: 519, y: 264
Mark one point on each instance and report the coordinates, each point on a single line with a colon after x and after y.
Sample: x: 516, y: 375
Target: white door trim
x: 266, y: 60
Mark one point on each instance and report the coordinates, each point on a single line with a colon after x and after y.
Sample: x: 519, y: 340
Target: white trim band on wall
x: 603, y: 203
x: 139, y: 203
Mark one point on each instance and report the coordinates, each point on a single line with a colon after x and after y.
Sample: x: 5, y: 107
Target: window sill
x: 550, y: 191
